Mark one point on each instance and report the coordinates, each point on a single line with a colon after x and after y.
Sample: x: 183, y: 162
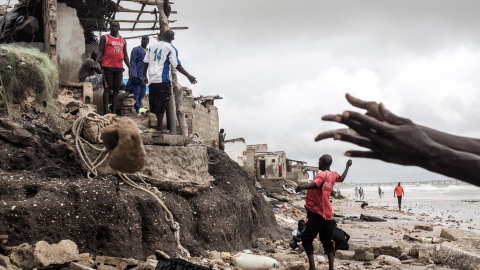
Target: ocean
x: 451, y: 203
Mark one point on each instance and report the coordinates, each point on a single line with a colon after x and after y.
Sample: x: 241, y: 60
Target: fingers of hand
x: 366, y: 121
x: 362, y: 154
x: 331, y: 133
x: 367, y: 105
x: 392, y: 118
x: 360, y: 141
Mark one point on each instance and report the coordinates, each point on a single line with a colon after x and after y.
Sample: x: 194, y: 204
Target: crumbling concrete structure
x: 201, y: 116
x: 236, y: 149
x: 296, y: 171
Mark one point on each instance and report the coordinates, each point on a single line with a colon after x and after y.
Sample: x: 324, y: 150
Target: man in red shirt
x: 112, y: 54
x: 319, y: 209
x: 399, y: 193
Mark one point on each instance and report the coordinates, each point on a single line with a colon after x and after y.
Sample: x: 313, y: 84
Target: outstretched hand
x: 465, y: 144
x: 397, y: 140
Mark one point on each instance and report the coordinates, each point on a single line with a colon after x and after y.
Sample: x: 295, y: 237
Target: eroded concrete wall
x: 201, y: 119
x: 70, y: 43
x: 236, y: 149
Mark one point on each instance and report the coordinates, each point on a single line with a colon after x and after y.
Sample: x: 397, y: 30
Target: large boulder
x: 62, y: 253
x: 42, y: 255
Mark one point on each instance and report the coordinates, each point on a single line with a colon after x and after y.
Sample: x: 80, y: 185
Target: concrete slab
x: 163, y: 139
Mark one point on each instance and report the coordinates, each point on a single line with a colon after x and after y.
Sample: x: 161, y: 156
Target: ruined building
x: 269, y: 168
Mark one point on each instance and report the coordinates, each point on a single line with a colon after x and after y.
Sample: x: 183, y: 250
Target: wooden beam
x: 138, y: 17
x: 149, y: 35
x: 126, y: 21
x: 137, y: 29
x: 146, y: 2
x: 116, y: 8
x: 156, y: 17
x: 125, y: 10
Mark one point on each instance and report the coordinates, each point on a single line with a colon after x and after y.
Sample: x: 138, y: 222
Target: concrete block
x: 128, y: 102
x: 345, y: 255
x: 424, y: 227
x: 104, y: 262
x: 128, y: 111
x: 447, y: 234
x: 87, y: 93
x: 364, y: 254
x: 163, y: 139
x: 77, y: 266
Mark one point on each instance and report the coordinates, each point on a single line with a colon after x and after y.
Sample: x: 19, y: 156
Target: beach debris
x: 371, y: 218
x: 254, y: 262
x: 447, y: 234
x: 42, y: 254
x: 388, y: 260
x: 119, y: 263
x: 345, y: 255
x: 423, y: 227
x: 364, y: 254
x: 178, y: 264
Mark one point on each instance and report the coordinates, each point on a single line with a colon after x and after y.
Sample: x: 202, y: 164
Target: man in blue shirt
x: 135, y: 84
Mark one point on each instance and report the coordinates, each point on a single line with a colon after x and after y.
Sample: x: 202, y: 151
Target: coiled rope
x: 76, y: 130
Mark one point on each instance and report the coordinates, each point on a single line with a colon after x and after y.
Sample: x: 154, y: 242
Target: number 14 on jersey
x: 157, y: 55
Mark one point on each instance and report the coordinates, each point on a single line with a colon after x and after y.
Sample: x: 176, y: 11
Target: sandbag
x: 124, y: 145
x: 254, y: 262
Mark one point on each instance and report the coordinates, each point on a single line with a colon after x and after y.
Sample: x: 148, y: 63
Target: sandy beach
x: 396, y: 242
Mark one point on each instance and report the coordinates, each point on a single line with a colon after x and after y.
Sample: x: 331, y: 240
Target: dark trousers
x: 399, y: 202
x: 316, y: 224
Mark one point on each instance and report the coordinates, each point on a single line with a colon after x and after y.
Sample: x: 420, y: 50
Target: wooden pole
x: 138, y: 17
x: 164, y: 26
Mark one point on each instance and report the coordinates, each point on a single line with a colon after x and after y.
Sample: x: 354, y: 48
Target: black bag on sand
x: 178, y: 264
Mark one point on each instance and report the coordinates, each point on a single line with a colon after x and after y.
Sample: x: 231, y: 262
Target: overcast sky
x: 281, y: 65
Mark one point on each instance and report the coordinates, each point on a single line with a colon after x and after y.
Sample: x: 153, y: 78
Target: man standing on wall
x: 112, y: 54
x: 135, y: 83
x: 157, y: 63
x: 319, y: 209
x: 399, y: 193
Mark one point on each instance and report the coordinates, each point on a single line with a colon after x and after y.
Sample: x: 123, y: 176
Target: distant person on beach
x: 398, y: 140
x: 221, y: 139
x: 380, y: 192
x: 399, y: 193
x: 319, y: 209
x: 340, y: 237
x: 356, y: 192
x: 361, y: 194
x: 296, y: 235
x: 157, y: 63
x: 112, y: 54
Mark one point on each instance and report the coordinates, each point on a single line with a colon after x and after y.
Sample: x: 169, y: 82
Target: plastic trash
x: 254, y: 262
x: 426, y: 240
x: 248, y: 251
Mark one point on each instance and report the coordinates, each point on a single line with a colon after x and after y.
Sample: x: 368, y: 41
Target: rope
x: 174, y: 226
x: 76, y: 129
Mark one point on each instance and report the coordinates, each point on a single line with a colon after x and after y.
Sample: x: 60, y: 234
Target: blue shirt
x: 136, y: 61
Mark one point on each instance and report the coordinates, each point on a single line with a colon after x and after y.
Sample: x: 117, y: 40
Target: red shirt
x: 318, y: 199
x: 399, y: 190
x: 113, y: 52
